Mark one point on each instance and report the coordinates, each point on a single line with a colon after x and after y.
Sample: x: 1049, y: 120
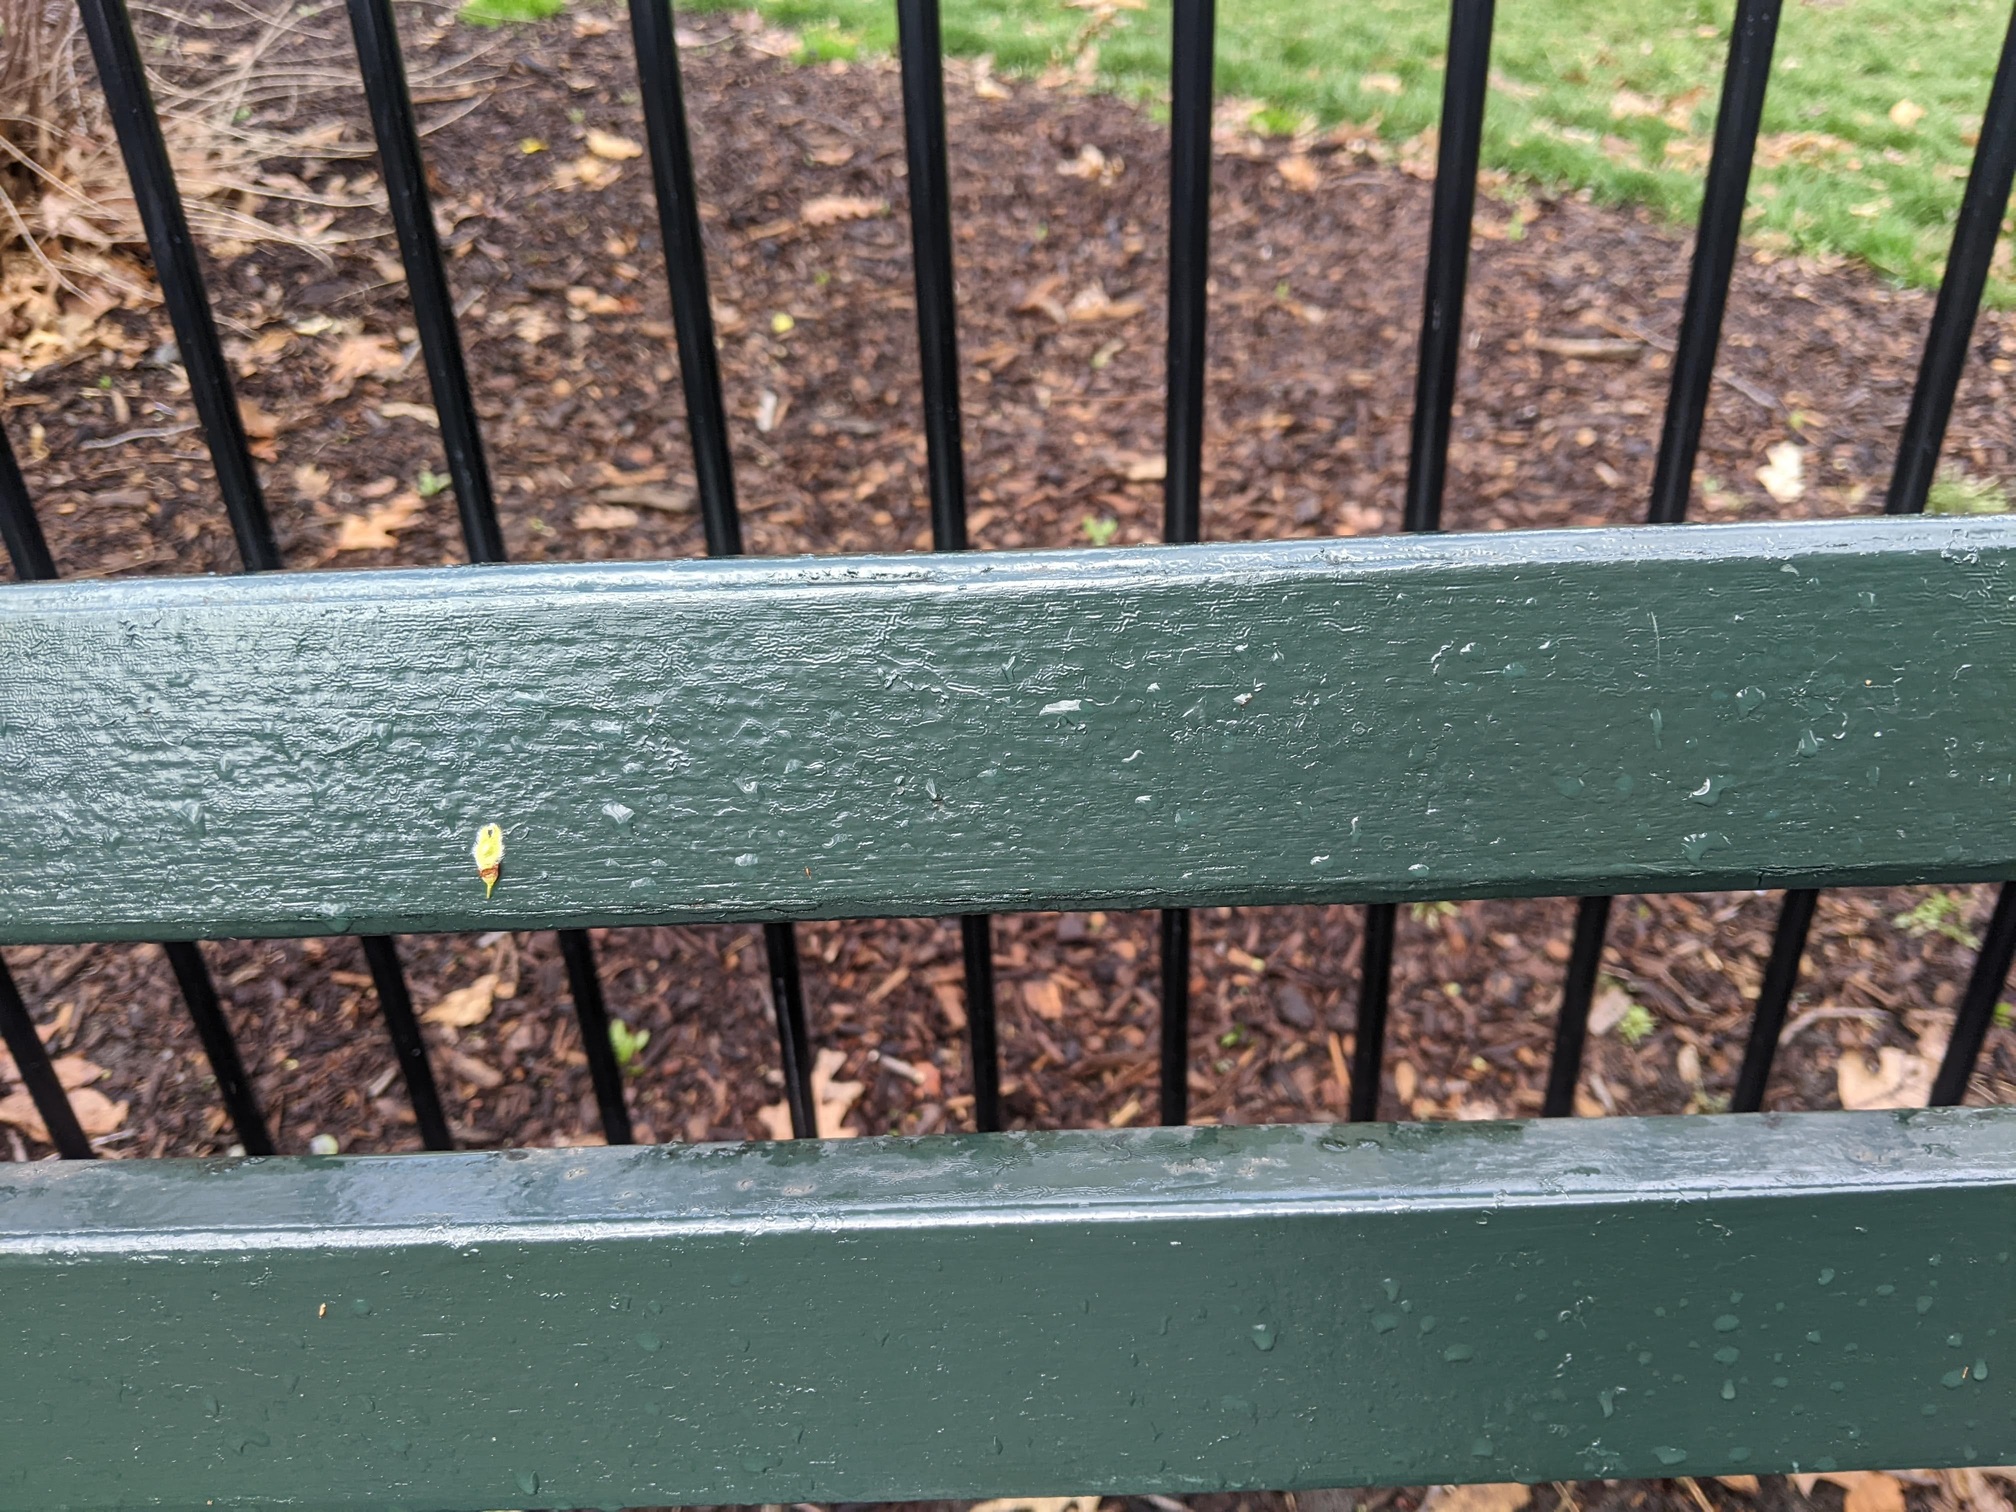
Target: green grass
x: 1613, y: 96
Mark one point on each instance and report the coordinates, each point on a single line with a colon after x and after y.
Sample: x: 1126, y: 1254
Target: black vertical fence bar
x: 787, y: 997
x: 376, y: 31
x: 381, y: 954
x: 32, y: 1065
x: 976, y: 946
x: 653, y: 32
x: 234, y: 1087
x: 592, y: 1014
x: 1193, y: 25
x: 1982, y: 208
x: 1752, y: 35
x: 1463, y: 90
x: 1585, y: 959
x: 32, y: 562
x: 1464, y: 87
x: 1975, y: 233
x: 20, y: 531
x: 924, y: 141
x: 1977, y: 1005
x: 377, y: 37
x: 1774, y: 999
x: 1375, y: 982
x: 124, y: 80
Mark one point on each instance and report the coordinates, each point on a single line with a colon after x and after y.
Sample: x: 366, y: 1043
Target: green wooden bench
x: 1165, y: 1310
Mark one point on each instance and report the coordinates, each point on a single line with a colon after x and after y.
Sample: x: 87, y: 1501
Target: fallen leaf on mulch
x: 604, y: 517
x: 360, y: 357
x: 1038, y: 1504
x: 1503, y: 1496
x: 96, y: 1113
x: 590, y: 172
x: 259, y: 425
x: 615, y: 149
x: 311, y: 482
x: 1900, y: 1080
x: 649, y: 496
x: 399, y: 409
x: 831, y: 209
x: 1868, y: 1490
x: 1748, y: 1485
x: 476, y: 1072
x: 1093, y: 303
x: 832, y: 1101
x: 1300, y: 172
x: 1784, y: 472
x: 373, y: 531
x: 465, y: 1007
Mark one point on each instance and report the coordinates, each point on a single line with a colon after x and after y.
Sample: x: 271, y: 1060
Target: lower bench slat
x: 1165, y: 1310
x: 1543, y: 713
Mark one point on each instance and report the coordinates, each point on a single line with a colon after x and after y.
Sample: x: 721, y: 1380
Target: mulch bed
x: 1316, y: 297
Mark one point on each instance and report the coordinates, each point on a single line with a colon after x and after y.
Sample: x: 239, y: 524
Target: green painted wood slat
x: 1630, y: 710
x: 1165, y: 1310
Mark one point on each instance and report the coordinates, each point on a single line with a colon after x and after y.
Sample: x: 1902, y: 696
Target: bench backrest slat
x: 1636, y: 710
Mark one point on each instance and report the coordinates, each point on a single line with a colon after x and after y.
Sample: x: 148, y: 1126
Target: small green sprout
x: 1430, y: 913
x: 628, y: 1044
x: 1636, y: 1024
x: 1100, y: 530
x: 430, y: 483
x: 1944, y: 914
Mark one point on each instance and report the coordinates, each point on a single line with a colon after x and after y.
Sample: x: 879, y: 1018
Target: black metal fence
x: 1753, y: 33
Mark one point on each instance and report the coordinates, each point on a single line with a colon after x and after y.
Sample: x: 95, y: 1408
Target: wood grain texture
x: 1737, y: 706
x: 1171, y: 1310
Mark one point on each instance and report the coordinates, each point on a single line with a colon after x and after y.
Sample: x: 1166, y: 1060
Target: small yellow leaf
x: 489, y: 855
x: 782, y: 324
x: 1906, y: 114
x: 530, y: 145
x: 612, y: 148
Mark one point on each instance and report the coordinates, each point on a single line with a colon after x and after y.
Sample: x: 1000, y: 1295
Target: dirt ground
x: 1061, y: 225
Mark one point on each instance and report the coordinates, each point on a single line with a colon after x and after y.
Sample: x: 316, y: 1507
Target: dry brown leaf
x: 1626, y: 103
x: 1608, y: 1010
x: 1748, y: 1485
x: 73, y: 1071
x: 1092, y: 303
x: 360, y: 357
x: 831, y: 209
x: 1900, y: 1080
x: 1038, y: 1504
x: 588, y: 172
x: 604, y: 517
x: 1146, y: 469
x: 96, y: 1114
x: 373, y: 531
x: 833, y: 1100
x: 1502, y: 1496
x: 1299, y: 171
x: 1043, y: 998
x: 1382, y: 83
x: 399, y: 409
x: 465, y: 1007
x: 1406, y: 1080
x: 311, y: 482
x: 649, y: 496
x: 612, y: 148
x: 1868, y: 1490
x: 1906, y: 114
x: 259, y: 425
